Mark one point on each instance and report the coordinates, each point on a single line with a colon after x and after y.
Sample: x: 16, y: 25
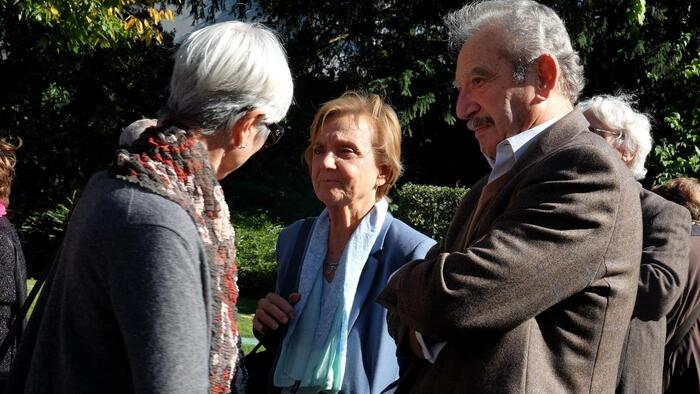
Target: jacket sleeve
x: 156, y: 284
x: 397, y: 328
x: 664, y: 266
x: 546, y: 245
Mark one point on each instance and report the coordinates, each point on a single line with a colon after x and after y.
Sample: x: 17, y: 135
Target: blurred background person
x: 143, y: 294
x: 664, y: 264
x: 682, y: 367
x: 328, y: 332
x: 132, y: 132
x: 13, y: 271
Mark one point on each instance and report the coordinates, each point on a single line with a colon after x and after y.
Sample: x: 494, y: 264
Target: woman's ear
x: 246, y: 128
x: 547, y: 74
x: 383, y: 176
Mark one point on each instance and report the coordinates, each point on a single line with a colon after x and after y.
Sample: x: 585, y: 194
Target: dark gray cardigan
x: 13, y: 284
x: 128, y: 306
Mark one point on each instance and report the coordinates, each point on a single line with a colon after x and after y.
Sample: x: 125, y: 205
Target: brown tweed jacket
x: 538, y: 297
x: 662, y: 276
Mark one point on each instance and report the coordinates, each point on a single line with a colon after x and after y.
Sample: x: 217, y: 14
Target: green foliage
x: 85, y: 25
x: 55, y: 98
x: 429, y: 209
x: 650, y: 48
x: 637, y: 10
x: 256, y: 237
x: 43, y: 227
x: 679, y: 156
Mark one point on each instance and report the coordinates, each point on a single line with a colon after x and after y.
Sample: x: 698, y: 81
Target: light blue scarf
x: 314, y: 350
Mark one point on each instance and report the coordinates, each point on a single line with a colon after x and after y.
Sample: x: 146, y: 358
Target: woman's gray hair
x: 222, y: 71
x: 617, y: 113
x: 532, y: 30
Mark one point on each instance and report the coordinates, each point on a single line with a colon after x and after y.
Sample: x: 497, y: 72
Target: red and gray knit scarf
x: 171, y: 163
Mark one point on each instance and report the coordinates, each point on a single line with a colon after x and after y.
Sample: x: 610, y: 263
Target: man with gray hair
x: 663, y: 268
x: 532, y: 288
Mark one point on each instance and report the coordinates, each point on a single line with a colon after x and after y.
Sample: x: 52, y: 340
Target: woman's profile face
x: 344, y: 171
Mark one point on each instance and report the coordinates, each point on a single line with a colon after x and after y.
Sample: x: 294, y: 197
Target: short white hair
x: 222, y: 71
x: 132, y: 132
x: 617, y: 113
x: 531, y: 29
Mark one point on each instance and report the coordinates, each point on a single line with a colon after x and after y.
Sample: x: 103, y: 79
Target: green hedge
x: 427, y: 208
x: 256, y: 237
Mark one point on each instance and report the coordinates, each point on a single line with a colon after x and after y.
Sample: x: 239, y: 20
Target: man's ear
x: 627, y: 158
x: 246, y: 127
x: 547, y: 74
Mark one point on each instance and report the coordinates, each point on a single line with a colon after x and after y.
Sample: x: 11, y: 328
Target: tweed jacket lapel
x: 457, y: 230
x: 553, y: 138
x: 488, y: 192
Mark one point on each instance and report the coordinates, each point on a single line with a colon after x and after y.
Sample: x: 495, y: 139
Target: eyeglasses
x: 603, y: 133
x: 276, y: 133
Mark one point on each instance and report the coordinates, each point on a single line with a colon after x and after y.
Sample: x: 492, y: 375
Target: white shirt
x: 508, y: 152
x: 511, y: 149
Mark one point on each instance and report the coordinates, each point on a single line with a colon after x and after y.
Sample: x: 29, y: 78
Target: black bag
x: 260, y: 364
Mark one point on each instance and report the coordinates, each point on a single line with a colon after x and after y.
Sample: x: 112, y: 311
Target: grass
x: 246, y: 311
x: 30, y: 285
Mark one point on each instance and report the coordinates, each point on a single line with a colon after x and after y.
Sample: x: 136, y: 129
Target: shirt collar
x: 512, y: 148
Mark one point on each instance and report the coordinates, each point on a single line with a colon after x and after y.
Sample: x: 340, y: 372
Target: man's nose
x: 466, y: 106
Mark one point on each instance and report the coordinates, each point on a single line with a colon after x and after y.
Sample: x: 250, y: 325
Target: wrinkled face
x: 344, y: 171
x: 494, y: 106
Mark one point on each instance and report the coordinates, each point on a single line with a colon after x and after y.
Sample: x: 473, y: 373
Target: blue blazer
x: 371, y: 365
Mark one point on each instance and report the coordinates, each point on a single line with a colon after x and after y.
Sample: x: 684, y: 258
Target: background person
x: 532, y: 289
x: 132, y: 132
x: 13, y: 270
x: 335, y: 336
x: 143, y: 295
x: 664, y: 265
x: 682, y: 366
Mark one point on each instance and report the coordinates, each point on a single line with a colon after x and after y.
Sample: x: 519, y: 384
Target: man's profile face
x: 494, y: 106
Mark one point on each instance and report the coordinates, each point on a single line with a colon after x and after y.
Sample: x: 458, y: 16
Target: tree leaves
x: 82, y: 26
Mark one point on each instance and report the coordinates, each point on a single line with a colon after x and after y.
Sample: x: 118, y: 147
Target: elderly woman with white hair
x: 665, y: 247
x: 143, y: 293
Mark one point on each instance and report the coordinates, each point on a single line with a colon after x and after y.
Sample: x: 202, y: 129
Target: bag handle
x: 678, y: 336
x: 19, y: 319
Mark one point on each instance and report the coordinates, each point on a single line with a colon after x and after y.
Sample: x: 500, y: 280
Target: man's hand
x: 273, y: 311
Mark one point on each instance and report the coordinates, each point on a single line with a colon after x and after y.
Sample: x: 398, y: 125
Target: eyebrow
x: 482, y: 72
x: 479, y: 71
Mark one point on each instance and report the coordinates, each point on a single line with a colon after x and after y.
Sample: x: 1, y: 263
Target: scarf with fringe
x: 171, y: 163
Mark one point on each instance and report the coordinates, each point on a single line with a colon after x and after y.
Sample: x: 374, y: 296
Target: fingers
x: 294, y: 298
x: 272, y: 311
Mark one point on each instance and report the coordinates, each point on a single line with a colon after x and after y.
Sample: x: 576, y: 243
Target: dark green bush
x: 256, y: 236
x: 41, y: 232
x: 427, y: 208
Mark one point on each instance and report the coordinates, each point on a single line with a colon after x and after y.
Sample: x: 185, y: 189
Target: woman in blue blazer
x: 328, y: 333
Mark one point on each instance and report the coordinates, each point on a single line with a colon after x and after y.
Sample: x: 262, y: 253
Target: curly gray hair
x: 532, y: 30
x: 617, y: 113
